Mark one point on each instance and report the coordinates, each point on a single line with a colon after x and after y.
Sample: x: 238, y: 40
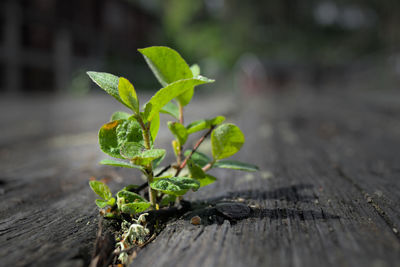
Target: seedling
x: 130, y: 137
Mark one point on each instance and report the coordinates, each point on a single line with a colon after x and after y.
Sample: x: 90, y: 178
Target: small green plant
x: 131, y: 137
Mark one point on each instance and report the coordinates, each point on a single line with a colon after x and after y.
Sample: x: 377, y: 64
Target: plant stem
x: 149, y: 168
x: 208, y: 166
x: 196, y: 146
x: 180, y: 113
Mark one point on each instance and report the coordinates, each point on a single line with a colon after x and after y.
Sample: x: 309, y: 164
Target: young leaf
x: 101, y: 203
x: 114, y: 134
x: 226, y: 140
x: 185, y: 97
x: 101, y: 189
x: 195, y: 170
x: 208, y: 179
x: 198, y: 158
x: 200, y: 125
x: 117, y: 163
x: 128, y: 94
x: 120, y: 115
x: 138, y: 155
x: 177, y: 186
x: 179, y: 131
x: 132, y: 150
x: 166, y: 94
x: 195, y: 70
x: 167, y: 65
x: 124, y: 197
x: 155, y: 126
x: 171, y: 109
x: 129, y: 202
x: 107, y: 82
x: 134, y: 208
x: 111, y: 201
x: 236, y: 165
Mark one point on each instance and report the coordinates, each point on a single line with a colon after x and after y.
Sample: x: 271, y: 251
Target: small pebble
x: 196, y: 220
x: 395, y: 230
x: 369, y: 199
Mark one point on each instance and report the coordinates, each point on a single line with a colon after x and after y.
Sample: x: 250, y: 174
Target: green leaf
x: 226, y: 140
x: 176, y: 147
x: 171, y: 109
x: 129, y: 202
x: 134, y: 208
x: 195, y: 70
x: 130, y: 187
x: 139, y: 155
x: 166, y: 94
x: 107, y: 82
x: 158, y: 161
x: 195, y: 170
x: 179, y: 131
x: 128, y: 94
x: 114, y: 134
x: 122, y: 164
x: 185, y: 97
x: 236, y: 165
x: 167, y: 65
x: 155, y: 126
x: 199, y: 158
x: 200, y: 125
x: 101, y: 203
x: 120, y: 115
x: 208, y: 179
x: 124, y: 197
x: 111, y: 201
x: 177, y: 186
x: 101, y: 189
x: 167, y: 199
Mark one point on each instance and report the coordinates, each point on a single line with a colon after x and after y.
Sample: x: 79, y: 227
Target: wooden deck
x: 327, y: 193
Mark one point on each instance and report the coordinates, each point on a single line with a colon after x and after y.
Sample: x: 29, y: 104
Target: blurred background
x: 47, y: 45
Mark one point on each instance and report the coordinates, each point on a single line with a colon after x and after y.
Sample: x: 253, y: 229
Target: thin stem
x: 196, y: 146
x: 208, y: 166
x: 180, y: 113
x: 149, y: 168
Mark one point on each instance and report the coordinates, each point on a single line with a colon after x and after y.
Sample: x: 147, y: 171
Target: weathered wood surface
x: 327, y: 193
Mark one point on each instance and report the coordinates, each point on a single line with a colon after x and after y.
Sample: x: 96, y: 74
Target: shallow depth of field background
x: 248, y: 46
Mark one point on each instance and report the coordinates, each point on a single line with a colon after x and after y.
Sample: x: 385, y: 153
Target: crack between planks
x: 370, y: 201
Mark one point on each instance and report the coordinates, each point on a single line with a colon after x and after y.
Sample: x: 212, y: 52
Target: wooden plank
x: 304, y: 212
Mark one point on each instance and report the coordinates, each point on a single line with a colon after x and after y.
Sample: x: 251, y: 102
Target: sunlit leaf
x: 175, y: 185
x: 166, y: 94
x: 107, y: 82
x: 114, y: 134
x: 101, y: 189
x: 226, y: 140
x: 128, y: 95
x: 167, y: 65
x: 235, y: 165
